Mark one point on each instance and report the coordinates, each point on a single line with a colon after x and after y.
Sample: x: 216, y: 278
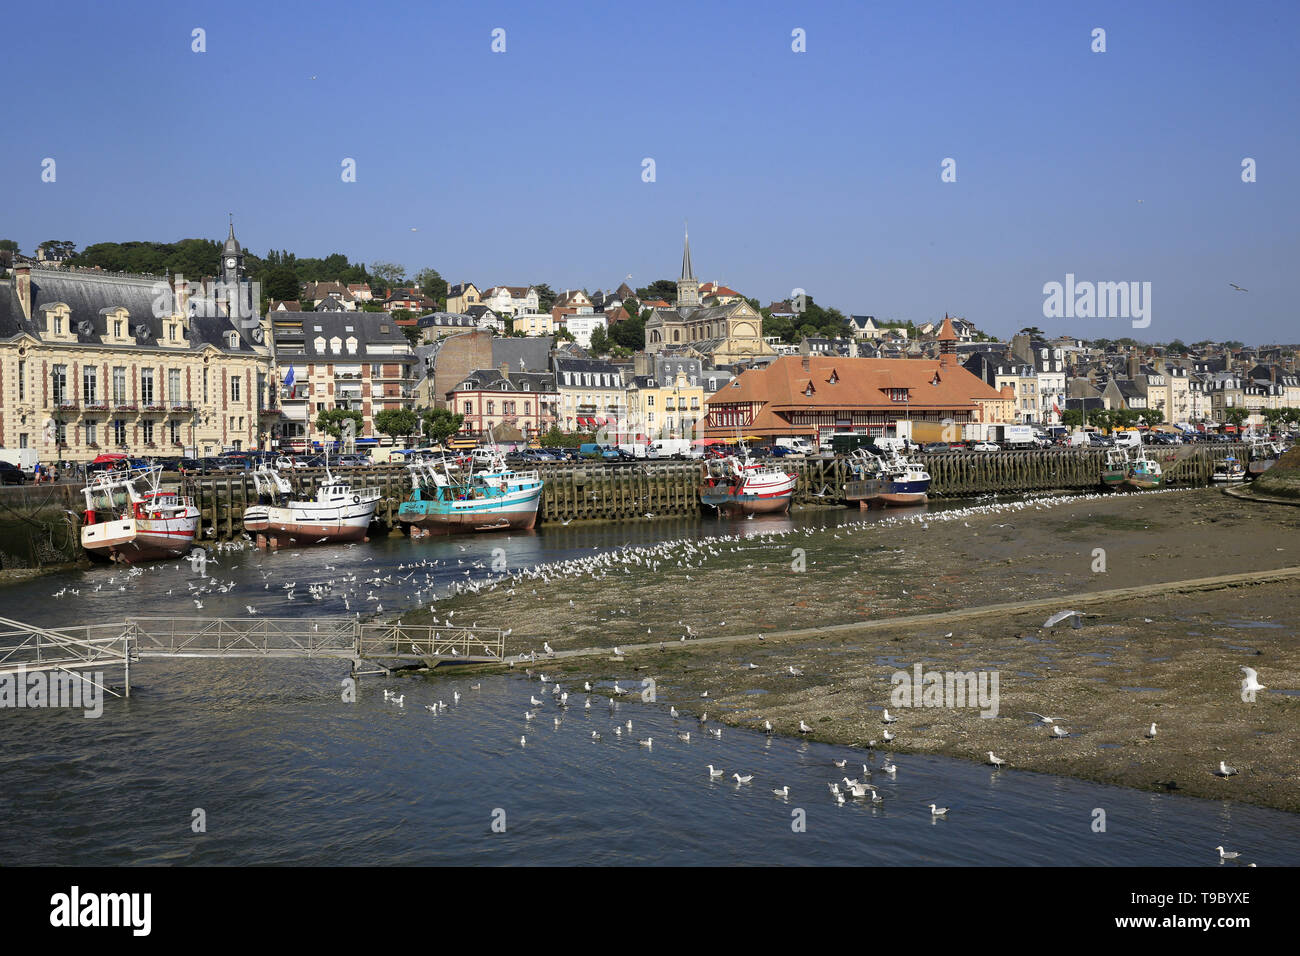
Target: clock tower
x: 232, y: 258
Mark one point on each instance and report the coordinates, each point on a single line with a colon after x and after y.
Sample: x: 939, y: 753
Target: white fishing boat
x: 1228, y: 470
x: 130, y: 518
x: 337, y: 513
x: 738, y: 485
x: 886, y: 477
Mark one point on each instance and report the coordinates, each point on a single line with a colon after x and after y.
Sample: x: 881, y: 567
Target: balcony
x: 182, y: 407
x: 125, y: 407
x: 93, y: 406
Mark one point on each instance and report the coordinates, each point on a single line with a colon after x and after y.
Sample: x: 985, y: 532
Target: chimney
x: 806, y: 365
x: 23, y: 277
x: 1134, y: 364
x: 505, y: 371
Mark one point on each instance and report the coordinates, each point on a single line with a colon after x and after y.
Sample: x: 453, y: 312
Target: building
x: 814, y: 396
x: 510, y: 299
x: 533, y: 323
x: 94, y: 362
x: 349, y: 360
x: 461, y: 296
x: 591, y: 393
x: 667, y: 407
x: 725, y: 334
x: 508, y: 405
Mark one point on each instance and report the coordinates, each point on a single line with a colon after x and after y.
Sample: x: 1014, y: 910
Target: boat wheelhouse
x: 129, y: 517
x: 337, y: 513
x: 737, y: 485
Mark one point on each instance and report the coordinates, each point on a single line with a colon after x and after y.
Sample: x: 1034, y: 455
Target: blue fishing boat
x: 891, y: 478
x: 454, y: 496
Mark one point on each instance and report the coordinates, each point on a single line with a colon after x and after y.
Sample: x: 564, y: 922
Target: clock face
x: 230, y: 263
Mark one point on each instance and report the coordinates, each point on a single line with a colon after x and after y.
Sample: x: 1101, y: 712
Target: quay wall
x: 38, y: 523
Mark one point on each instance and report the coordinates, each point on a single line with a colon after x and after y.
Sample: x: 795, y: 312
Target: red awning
x: 101, y: 459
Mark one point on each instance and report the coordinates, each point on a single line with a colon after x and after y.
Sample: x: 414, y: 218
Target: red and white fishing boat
x: 338, y: 512
x: 736, y: 485
x: 129, y: 518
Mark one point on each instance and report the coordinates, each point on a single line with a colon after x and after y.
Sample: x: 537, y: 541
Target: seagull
x: 400, y: 701
x: 839, y: 763
x: 783, y: 792
x: 523, y: 741
x: 1251, y: 681
x: 1224, y: 770
x: 1152, y: 732
x: 888, y: 736
x: 595, y: 735
x: 1042, y: 719
x: 767, y: 728
x: 996, y: 761
x: 648, y: 742
x: 1239, y: 289
x: 888, y: 767
x: 1059, y: 617
x: 1058, y: 731
x: 887, y: 719
x: 714, y: 774
x: 804, y: 728
x: 744, y: 779
x: 1226, y: 854
x: 251, y: 609
x: 938, y: 811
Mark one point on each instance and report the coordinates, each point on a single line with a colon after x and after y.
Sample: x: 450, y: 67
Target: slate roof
x: 364, y: 328
x: 534, y: 350
x: 89, y: 295
x: 491, y: 380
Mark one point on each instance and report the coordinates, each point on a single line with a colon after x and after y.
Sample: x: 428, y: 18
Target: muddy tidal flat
x: 850, y: 607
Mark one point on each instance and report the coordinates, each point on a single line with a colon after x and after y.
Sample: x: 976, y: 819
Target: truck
x: 1127, y: 438
x: 639, y: 450
x: 1016, y: 436
x: 24, y: 458
x: 675, y: 448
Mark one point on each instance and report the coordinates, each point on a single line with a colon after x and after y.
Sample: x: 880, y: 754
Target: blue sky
x: 819, y: 170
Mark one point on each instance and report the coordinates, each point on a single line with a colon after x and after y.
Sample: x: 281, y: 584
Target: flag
x: 288, y: 378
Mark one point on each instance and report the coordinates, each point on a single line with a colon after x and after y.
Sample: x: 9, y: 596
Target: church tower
x: 232, y: 258
x: 688, y: 287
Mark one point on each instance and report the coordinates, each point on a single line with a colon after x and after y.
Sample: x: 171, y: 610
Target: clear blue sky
x: 816, y: 169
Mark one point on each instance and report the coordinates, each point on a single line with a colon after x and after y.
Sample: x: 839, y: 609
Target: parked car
x: 985, y: 446
x: 934, y: 447
x: 11, y: 474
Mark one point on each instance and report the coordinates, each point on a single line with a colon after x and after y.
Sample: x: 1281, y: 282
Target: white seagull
x: 1226, y: 854
x: 996, y: 761
x: 783, y: 792
x: 745, y: 779
x: 1152, y: 732
x: 715, y: 774
x: 937, y: 811
x: 1251, y: 681
x: 887, y: 719
x: 804, y: 728
x: 1224, y: 770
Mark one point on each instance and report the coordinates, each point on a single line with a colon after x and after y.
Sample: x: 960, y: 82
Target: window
x: 376, y: 370
x: 171, y: 331
x: 91, y: 437
x: 59, y: 383
x: 22, y: 379
x: 117, y: 328
x: 146, y: 386
x: 146, y: 429
x: 58, y: 325
x: 234, y: 388
x: 507, y: 408
x: 89, y: 381
x: 491, y: 407
x: 469, y: 408
x: 174, y: 386
x: 119, y: 431
x: 174, y: 427
x: 60, y: 433
x: 649, y: 401
x: 205, y: 386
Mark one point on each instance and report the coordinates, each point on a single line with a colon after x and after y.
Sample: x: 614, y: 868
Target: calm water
x: 288, y: 773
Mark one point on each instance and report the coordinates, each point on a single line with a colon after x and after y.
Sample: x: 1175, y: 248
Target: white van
x: 1127, y: 439
x: 675, y: 448
x: 796, y: 445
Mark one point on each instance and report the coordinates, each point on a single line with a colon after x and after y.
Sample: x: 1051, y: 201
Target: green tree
x: 545, y: 297
x: 1151, y: 417
x: 629, y: 333
x: 412, y: 333
x: 389, y: 274
x: 1124, y: 418
x: 396, y: 422
x: 665, y: 289
x: 281, y: 283
x: 440, y: 424
x: 1072, y: 418
x: 1235, y: 415
x: 8, y: 245
x: 599, y: 341
x: 563, y: 335
x: 331, y: 421
x: 554, y: 438
x: 434, y: 286
x: 1102, y: 418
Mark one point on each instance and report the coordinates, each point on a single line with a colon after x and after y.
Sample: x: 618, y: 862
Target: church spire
x: 688, y: 289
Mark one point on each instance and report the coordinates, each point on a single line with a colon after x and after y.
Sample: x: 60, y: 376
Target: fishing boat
x: 129, y: 518
x: 1262, y: 454
x: 737, y: 485
x: 1144, y: 473
x: 1229, y: 469
x: 337, y: 513
x: 1115, y: 470
x: 456, y: 495
x: 888, y: 477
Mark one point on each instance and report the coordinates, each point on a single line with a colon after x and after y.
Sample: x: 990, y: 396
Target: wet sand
x: 1172, y: 658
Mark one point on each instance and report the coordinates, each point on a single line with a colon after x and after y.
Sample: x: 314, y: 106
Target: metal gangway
x: 26, y: 648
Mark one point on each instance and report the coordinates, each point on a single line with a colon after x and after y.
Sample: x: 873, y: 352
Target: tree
x: 389, y: 274
x: 412, y: 333
x: 599, y: 341
x: 440, y: 424
x: 331, y: 421
x: 1102, y: 418
x: 1235, y: 415
x: 8, y: 245
x: 396, y: 422
x: 563, y: 335
x: 545, y: 297
x: 1151, y: 416
x: 1072, y: 418
x: 665, y: 289
x: 1032, y: 331
x: 630, y: 333
x: 281, y: 283
x: 554, y: 438
x: 434, y: 286
x: 1124, y: 418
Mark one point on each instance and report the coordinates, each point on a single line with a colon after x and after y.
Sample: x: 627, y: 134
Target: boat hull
x: 514, y: 511
x: 132, y: 540
x: 308, y: 525
x: 732, y: 503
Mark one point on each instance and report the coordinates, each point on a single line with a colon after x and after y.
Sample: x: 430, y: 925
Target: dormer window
x: 808, y: 390
x: 834, y: 377
x: 58, y: 325
x: 232, y: 340
x: 117, y: 328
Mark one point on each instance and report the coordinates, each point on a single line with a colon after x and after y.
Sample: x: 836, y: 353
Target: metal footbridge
x: 82, y: 648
